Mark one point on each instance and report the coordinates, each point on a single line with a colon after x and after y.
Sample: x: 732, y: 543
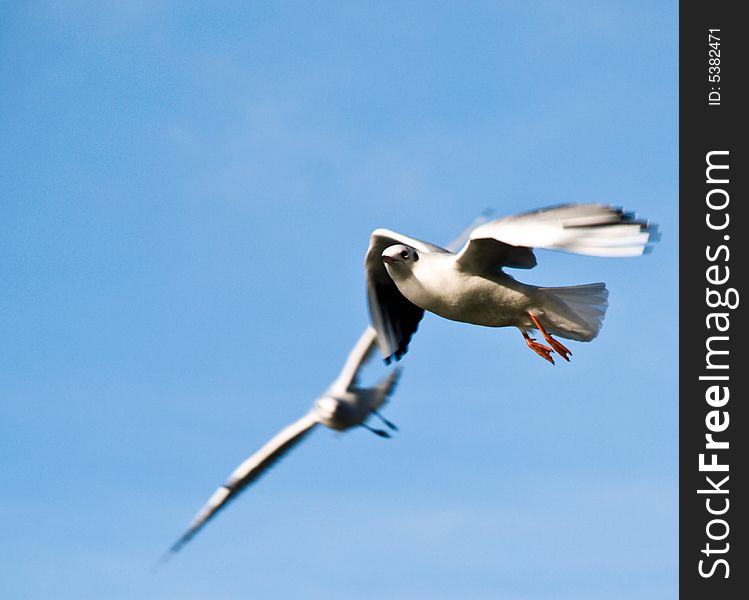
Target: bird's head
x: 399, y: 257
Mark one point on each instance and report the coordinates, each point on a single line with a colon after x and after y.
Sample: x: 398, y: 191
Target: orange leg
x: 561, y: 349
x: 543, y: 351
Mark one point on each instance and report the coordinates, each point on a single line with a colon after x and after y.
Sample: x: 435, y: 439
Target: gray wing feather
x: 591, y: 229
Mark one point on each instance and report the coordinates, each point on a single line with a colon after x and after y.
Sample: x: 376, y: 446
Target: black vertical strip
x: 713, y: 544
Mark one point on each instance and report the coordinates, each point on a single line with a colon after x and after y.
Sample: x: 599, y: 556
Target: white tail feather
x: 575, y: 312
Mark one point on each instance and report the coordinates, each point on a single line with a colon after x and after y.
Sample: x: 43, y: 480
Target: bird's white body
x: 437, y: 284
x: 343, y: 409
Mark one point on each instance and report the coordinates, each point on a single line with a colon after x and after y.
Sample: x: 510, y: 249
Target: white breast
x: 436, y: 285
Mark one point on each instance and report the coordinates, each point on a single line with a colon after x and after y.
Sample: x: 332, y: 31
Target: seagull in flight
x: 406, y: 276
x: 343, y: 406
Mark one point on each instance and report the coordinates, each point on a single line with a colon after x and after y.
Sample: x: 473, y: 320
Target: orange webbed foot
x: 543, y: 351
x: 560, y: 348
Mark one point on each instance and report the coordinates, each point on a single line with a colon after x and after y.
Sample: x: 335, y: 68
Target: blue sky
x: 187, y: 194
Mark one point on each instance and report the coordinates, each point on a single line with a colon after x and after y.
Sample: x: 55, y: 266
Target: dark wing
x: 393, y: 316
x: 591, y: 229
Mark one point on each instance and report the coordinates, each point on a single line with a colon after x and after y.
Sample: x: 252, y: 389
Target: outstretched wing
x: 394, y: 318
x: 385, y: 388
x: 592, y: 229
x: 248, y: 472
x: 359, y: 355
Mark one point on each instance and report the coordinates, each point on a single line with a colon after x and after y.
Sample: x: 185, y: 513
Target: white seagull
x: 406, y: 276
x: 343, y: 406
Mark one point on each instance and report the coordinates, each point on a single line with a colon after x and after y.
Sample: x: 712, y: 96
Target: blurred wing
x: 591, y: 229
x: 359, y: 355
x: 394, y: 318
x: 248, y: 472
x: 386, y: 387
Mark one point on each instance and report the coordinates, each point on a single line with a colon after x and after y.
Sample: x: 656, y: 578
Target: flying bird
x: 406, y: 276
x: 344, y: 405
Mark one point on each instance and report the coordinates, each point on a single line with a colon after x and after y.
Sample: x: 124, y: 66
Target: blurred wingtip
x: 173, y: 549
x: 162, y: 560
x: 392, y: 380
x: 654, y: 233
x: 654, y: 236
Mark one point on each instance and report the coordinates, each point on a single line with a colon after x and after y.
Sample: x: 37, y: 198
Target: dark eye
x: 404, y: 253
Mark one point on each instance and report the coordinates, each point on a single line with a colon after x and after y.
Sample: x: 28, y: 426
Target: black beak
x: 388, y: 259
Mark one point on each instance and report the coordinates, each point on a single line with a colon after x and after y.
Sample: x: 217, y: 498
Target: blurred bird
x: 344, y: 405
x: 406, y: 276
